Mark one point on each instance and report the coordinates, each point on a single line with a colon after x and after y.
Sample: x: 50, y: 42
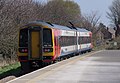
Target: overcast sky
x: 94, y: 5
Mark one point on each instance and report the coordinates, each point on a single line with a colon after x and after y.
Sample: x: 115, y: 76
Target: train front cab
x: 35, y: 46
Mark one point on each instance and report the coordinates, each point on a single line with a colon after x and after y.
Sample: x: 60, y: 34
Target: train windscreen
x: 47, y: 37
x: 23, y: 38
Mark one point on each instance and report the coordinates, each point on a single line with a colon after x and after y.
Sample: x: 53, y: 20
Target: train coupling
x: 35, y: 64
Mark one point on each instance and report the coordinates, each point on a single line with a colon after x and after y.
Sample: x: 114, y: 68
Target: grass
x: 12, y: 69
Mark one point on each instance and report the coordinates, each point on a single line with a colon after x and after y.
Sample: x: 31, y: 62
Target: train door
x: 35, y: 43
x: 77, y: 42
x: 57, y: 47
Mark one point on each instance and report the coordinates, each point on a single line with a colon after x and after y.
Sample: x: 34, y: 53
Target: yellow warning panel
x: 35, y: 44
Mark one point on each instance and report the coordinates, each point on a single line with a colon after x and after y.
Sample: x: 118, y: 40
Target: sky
x: 87, y: 6
x: 101, y: 6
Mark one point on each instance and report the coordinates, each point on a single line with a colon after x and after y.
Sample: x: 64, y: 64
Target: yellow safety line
x: 58, y: 68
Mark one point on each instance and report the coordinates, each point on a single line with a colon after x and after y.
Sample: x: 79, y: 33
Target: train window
x: 67, y: 40
x: 83, y: 40
x: 23, y: 38
x: 47, y: 37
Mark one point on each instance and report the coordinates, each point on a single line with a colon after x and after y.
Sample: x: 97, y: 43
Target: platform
x: 95, y: 67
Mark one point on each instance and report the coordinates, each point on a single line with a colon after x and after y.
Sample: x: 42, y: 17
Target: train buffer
x: 95, y: 67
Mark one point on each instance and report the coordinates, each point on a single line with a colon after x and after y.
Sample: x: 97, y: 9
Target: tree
x: 13, y: 14
x: 114, y: 15
x: 90, y: 21
x: 61, y: 12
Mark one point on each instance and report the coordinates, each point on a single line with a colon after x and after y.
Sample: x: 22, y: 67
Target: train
x: 44, y: 42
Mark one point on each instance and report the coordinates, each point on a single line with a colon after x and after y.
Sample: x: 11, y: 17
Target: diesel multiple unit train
x: 44, y: 42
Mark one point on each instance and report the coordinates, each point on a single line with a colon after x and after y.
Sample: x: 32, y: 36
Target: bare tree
x: 114, y: 15
x: 13, y: 14
x: 91, y: 21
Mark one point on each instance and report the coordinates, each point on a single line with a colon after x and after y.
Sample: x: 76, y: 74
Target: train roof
x: 59, y: 26
x: 52, y: 25
x: 82, y: 30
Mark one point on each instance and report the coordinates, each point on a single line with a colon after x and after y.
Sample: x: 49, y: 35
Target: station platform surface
x: 95, y: 67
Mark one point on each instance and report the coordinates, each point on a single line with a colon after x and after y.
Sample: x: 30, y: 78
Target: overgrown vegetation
x: 13, y: 69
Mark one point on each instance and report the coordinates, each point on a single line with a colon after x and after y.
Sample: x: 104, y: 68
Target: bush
x: 114, y: 45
